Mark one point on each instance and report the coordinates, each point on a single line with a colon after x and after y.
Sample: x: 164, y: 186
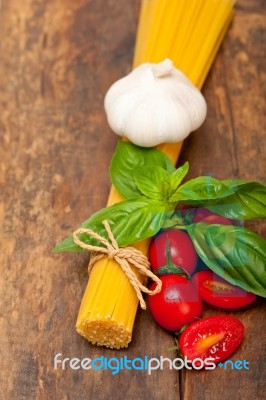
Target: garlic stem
x: 162, y: 69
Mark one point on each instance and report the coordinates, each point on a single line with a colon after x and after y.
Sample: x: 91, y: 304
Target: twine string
x: 126, y: 257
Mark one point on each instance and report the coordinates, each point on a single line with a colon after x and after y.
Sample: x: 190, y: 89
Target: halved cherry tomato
x: 212, y: 337
x: 182, y: 251
x: 177, y: 304
x: 220, y: 293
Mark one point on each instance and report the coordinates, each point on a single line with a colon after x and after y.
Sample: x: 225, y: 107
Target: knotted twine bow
x: 123, y: 256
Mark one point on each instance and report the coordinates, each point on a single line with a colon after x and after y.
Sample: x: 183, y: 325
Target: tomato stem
x: 170, y: 267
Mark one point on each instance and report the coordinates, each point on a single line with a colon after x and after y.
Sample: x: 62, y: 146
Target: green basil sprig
x: 152, y: 188
x: 236, y: 254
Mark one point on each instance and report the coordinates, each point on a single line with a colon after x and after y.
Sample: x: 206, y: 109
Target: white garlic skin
x: 155, y: 103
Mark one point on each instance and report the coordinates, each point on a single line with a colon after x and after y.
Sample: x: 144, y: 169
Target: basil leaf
x: 201, y: 191
x: 248, y: 201
x: 232, y: 252
x: 153, y: 182
x: 178, y: 175
x: 130, y: 221
x: 231, y: 199
x: 126, y: 158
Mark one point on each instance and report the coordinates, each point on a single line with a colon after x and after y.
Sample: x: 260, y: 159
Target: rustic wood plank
x: 247, y: 6
x: 57, y: 61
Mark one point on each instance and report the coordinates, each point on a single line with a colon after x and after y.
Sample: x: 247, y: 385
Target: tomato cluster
x: 179, y: 303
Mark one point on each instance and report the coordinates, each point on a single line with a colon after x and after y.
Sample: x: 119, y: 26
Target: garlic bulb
x: 155, y: 103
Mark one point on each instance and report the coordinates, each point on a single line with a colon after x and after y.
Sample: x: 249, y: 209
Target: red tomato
x: 177, y: 304
x: 204, y: 215
x: 220, y: 293
x: 217, y: 337
x: 182, y: 251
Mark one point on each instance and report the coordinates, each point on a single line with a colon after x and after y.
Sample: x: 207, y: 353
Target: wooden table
x: 57, y: 60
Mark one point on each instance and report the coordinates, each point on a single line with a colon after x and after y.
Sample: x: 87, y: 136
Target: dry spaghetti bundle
x: 189, y: 33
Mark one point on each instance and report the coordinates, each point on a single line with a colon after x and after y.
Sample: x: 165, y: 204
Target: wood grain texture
x: 57, y: 61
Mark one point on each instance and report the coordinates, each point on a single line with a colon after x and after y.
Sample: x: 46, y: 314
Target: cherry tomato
x: 217, y: 337
x: 177, y: 304
x: 220, y: 293
x: 204, y: 215
x: 182, y: 251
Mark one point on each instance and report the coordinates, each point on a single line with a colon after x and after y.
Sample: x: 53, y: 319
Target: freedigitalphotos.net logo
x: 145, y: 363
